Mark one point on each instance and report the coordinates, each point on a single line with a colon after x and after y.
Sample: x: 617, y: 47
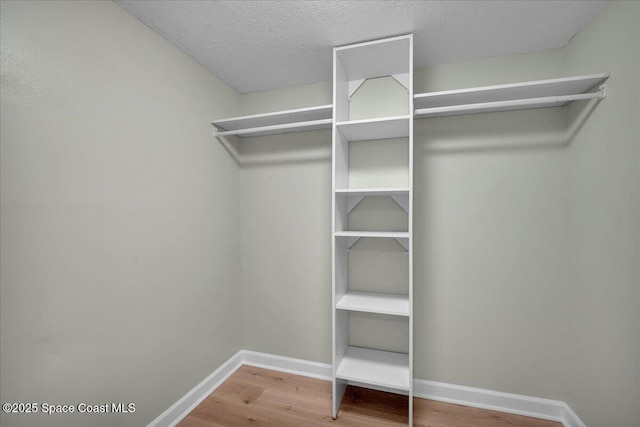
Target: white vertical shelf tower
x: 352, y: 66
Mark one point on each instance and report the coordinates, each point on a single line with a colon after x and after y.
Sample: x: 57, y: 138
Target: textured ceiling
x: 258, y: 45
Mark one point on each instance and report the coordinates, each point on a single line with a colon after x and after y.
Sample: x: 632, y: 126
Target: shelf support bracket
x: 404, y: 242
x: 353, y: 202
x: 354, y: 85
x: 403, y: 79
x: 402, y: 201
x: 352, y: 241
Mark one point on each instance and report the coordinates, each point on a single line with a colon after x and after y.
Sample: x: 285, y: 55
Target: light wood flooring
x: 254, y: 396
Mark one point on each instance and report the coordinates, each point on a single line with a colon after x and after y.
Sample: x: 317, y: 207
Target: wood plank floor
x: 254, y: 396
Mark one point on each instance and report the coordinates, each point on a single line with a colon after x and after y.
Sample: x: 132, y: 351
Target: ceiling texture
x: 260, y: 45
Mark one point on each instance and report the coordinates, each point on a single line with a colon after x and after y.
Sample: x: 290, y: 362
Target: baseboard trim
x: 289, y: 365
x: 547, y: 409
x: 187, y: 403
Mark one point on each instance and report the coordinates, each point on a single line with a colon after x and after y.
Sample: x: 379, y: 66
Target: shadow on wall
x: 295, y: 147
x: 515, y: 130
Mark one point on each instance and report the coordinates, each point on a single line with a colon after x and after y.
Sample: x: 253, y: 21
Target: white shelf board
x: 515, y: 96
x: 388, y: 234
x: 364, y: 192
x: 378, y: 128
x: 301, y: 119
x: 376, y: 58
x: 373, y: 302
x: 375, y: 367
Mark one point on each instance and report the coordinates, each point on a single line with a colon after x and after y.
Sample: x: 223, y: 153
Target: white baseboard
x: 189, y: 401
x: 306, y: 368
x: 547, y: 409
x: 554, y: 410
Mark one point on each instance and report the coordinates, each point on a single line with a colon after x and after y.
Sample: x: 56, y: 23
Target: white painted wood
x: 554, y: 410
x: 352, y: 202
x: 511, y: 105
x: 536, y: 407
x: 375, y: 367
x: 387, y: 234
x: 402, y: 200
x: 373, y: 302
x: 289, y: 365
x: 403, y: 79
x: 409, y: 241
x: 354, y: 85
x: 276, y: 118
x: 376, y: 58
x: 338, y: 221
x: 378, y: 128
x: 397, y: 191
x: 352, y: 66
x: 514, y: 96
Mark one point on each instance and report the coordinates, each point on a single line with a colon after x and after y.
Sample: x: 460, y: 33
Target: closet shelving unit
x: 373, y: 367
x: 353, y: 65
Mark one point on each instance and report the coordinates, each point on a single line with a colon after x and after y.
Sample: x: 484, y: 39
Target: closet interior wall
x: 120, y: 251
x: 492, y: 209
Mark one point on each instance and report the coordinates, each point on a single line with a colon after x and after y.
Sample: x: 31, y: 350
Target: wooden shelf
x: 378, y: 128
x: 515, y: 96
x: 373, y: 302
x: 301, y: 119
x: 364, y: 192
x: 375, y: 367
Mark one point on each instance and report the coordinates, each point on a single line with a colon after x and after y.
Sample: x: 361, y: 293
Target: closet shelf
x: 388, y: 234
x: 364, y: 192
x: 515, y: 96
x: 373, y: 302
x: 375, y: 367
x: 378, y: 128
x: 301, y: 119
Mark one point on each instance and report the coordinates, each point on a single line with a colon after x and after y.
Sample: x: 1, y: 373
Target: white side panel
x: 410, y: 214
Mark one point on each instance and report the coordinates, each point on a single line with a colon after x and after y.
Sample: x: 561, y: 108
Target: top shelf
x: 300, y: 119
x: 515, y: 96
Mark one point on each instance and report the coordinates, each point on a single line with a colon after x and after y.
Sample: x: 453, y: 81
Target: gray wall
x: 513, y: 214
x: 127, y: 275
x: 603, y: 304
x: 120, y: 216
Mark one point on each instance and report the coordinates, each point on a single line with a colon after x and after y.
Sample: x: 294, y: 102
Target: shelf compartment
x: 378, y: 128
x: 355, y: 196
x: 373, y: 302
x: 515, y: 96
x: 375, y: 58
x: 301, y: 119
x: 375, y: 367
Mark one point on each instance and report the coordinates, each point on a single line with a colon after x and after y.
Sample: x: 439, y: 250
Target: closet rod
x: 529, y: 102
